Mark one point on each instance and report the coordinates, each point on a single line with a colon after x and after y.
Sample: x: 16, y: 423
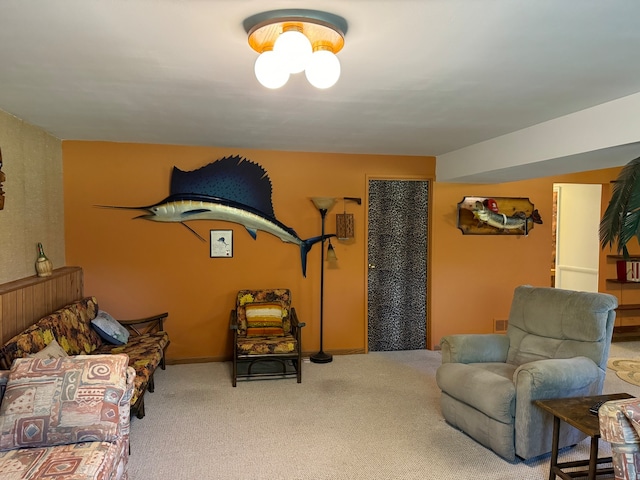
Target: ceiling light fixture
x: 291, y: 41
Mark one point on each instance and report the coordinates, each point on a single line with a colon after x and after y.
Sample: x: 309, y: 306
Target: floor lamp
x: 323, y: 204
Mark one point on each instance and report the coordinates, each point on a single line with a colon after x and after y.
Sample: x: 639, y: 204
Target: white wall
x: 33, y: 210
x: 599, y: 137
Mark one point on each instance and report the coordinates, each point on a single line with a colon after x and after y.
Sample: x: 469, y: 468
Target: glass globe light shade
x: 323, y: 70
x: 323, y: 203
x: 295, y: 47
x: 270, y: 70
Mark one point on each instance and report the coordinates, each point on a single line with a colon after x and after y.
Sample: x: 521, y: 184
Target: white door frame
x: 577, y: 236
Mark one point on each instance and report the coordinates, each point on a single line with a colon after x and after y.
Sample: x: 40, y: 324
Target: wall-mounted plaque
x: 497, y: 216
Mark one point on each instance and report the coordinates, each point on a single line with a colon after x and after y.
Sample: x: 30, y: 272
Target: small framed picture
x: 221, y: 243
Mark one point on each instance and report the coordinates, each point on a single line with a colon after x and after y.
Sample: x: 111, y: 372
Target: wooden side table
x: 575, y: 412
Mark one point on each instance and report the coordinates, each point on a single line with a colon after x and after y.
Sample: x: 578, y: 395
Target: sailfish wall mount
x: 231, y: 189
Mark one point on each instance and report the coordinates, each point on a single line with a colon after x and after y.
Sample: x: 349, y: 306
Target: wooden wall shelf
x: 24, y: 301
x: 630, y: 306
x: 627, y: 326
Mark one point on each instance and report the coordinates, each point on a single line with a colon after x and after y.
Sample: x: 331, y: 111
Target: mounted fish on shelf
x: 231, y: 189
x: 497, y: 216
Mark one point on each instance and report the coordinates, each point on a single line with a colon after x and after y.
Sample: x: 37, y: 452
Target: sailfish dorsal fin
x: 232, y: 178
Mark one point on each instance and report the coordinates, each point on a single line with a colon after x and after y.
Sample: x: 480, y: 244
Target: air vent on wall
x: 500, y: 326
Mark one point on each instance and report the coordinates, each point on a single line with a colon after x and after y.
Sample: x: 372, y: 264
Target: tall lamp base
x: 321, y: 357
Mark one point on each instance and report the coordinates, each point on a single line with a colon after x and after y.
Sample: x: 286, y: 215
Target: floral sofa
x: 619, y: 425
x: 72, y: 329
x: 66, y: 418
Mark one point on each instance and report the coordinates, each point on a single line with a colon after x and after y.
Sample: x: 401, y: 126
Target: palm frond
x: 621, y: 220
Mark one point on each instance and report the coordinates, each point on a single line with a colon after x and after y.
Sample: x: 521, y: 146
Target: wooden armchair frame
x: 140, y: 326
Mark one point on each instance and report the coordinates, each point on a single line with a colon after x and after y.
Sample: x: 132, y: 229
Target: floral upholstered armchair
x: 266, y: 329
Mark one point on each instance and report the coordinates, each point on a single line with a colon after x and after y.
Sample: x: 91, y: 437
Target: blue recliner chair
x: 556, y: 346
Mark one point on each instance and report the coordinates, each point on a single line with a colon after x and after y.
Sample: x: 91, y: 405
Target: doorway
x: 577, y: 250
x: 397, y: 264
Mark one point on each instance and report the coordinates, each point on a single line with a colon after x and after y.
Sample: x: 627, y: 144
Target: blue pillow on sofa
x: 109, y: 329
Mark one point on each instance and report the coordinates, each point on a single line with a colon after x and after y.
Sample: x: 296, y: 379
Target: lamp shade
x: 331, y: 253
x: 323, y: 70
x: 270, y: 70
x: 323, y: 203
x: 295, y: 47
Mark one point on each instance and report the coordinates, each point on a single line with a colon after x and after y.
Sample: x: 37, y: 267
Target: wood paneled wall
x: 25, y: 301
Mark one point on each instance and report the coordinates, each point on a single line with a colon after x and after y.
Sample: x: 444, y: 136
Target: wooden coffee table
x: 575, y: 412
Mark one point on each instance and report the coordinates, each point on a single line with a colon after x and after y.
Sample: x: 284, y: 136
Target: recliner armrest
x: 547, y: 379
x: 474, y: 348
x: 556, y: 377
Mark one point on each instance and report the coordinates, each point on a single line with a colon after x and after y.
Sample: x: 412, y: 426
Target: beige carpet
x: 374, y: 416
x: 628, y: 369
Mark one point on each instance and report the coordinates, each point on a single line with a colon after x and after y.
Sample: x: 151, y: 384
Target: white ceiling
x: 424, y: 77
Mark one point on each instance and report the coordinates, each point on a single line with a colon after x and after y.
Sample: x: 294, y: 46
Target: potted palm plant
x: 621, y: 220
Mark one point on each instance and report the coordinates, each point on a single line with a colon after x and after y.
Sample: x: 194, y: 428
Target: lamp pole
x: 322, y: 357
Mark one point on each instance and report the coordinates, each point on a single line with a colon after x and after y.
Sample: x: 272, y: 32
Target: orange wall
x: 473, y: 276
x: 137, y: 267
